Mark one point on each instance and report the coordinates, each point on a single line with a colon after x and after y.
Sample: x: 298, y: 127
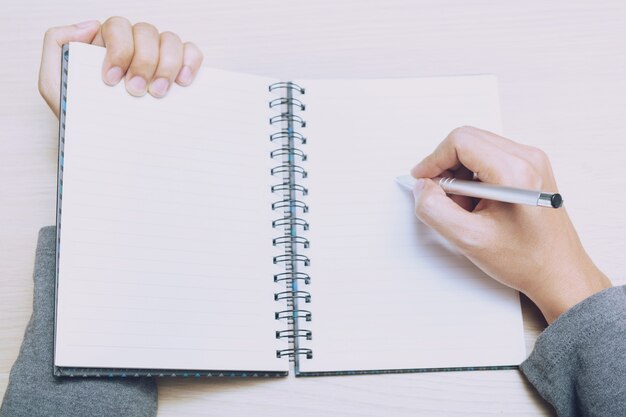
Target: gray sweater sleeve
x: 579, y: 362
x: 33, y: 391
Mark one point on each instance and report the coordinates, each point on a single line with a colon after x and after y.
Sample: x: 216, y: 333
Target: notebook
x: 246, y: 226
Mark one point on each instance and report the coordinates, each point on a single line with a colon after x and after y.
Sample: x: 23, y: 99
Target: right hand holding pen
x: 531, y: 249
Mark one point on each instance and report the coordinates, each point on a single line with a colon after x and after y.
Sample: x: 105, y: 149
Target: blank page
x: 387, y: 292
x: 165, y: 245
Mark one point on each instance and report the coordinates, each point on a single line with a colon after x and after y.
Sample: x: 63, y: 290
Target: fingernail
x: 417, y: 188
x: 158, y: 87
x: 114, y: 75
x: 185, y: 75
x: 85, y: 24
x: 414, y: 169
x: 136, y: 86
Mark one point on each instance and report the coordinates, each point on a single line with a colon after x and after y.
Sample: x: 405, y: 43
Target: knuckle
x: 192, y: 47
x: 50, y: 33
x: 515, y: 167
x: 542, y: 167
x: 462, y: 133
x: 470, y: 241
x: 145, y: 26
x: 120, y: 54
x: 538, y: 156
x: 142, y: 63
x: 169, y: 64
x: 115, y: 20
x: 525, y: 174
x: 425, y: 207
x: 171, y: 36
x: 460, y: 136
x: 167, y: 68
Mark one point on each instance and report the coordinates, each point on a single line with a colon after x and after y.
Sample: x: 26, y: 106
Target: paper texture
x: 166, y: 253
x: 387, y: 293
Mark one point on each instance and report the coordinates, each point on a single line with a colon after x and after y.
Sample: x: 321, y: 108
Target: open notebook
x: 209, y: 233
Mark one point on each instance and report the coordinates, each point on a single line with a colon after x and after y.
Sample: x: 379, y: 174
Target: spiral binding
x: 291, y: 206
x: 283, y: 135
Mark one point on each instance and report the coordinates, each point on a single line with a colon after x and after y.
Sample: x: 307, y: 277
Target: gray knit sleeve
x: 34, y: 391
x: 579, y: 362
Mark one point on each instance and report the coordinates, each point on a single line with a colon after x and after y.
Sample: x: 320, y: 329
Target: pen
x: 479, y: 189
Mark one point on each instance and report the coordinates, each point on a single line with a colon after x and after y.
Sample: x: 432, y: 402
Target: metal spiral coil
x: 289, y: 276
x: 296, y: 221
x: 286, y: 151
x: 289, y: 168
x: 292, y: 314
x: 291, y: 334
x: 288, y: 117
x: 284, y: 134
x: 289, y: 205
x: 284, y: 100
x: 284, y: 295
x: 292, y: 240
x: 287, y: 186
x: 292, y: 258
x: 292, y: 352
x: 287, y: 85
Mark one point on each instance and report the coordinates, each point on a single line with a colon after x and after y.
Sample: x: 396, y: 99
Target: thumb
x: 458, y: 226
x: 50, y: 69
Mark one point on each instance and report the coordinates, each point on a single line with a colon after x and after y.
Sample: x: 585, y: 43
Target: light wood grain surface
x: 562, y: 72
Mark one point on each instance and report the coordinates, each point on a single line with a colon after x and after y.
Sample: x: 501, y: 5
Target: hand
x: 534, y: 250
x: 148, y: 61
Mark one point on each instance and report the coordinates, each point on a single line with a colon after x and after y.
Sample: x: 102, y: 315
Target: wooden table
x: 562, y: 72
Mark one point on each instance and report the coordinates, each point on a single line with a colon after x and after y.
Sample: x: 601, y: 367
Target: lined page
x: 387, y: 292
x: 165, y: 246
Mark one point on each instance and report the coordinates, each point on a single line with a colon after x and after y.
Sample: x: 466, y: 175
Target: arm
x: 148, y: 62
x: 579, y: 362
x: 537, y: 252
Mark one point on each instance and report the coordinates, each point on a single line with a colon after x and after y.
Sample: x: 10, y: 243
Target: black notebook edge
x: 58, y: 371
x: 301, y: 374
x: 63, y: 371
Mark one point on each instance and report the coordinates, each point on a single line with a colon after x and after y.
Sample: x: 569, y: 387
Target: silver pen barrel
x: 499, y: 193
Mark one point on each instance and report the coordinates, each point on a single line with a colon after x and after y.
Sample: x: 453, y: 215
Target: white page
x: 165, y: 253
x: 387, y: 293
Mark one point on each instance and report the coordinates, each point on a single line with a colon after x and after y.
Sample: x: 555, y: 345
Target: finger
x: 117, y: 36
x: 489, y: 162
x: 460, y: 227
x: 170, y: 63
x: 192, y: 59
x: 145, y: 59
x: 504, y: 143
x: 97, y: 40
x: 462, y: 201
x: 50, y: 68
x: 462, y: 173
x: 535, y: 156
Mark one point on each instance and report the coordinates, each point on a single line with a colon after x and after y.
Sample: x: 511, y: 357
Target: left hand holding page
x: 148, y: 61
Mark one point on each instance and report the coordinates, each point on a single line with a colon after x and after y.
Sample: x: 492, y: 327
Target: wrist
x: 557, y: 295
